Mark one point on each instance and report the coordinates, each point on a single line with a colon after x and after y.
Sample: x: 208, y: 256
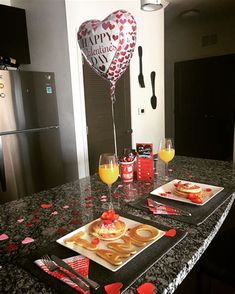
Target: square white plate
x: 102, y: 245
x: 167, y: 191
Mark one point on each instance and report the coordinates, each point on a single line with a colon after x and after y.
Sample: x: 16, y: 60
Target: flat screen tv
x: 14, y: 37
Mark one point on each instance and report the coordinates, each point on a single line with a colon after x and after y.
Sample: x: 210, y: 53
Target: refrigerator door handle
x: 3, y: 186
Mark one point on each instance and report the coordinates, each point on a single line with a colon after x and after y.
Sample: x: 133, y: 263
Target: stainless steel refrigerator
x: 30, y: 147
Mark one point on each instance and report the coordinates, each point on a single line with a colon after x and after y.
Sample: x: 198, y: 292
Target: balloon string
x: 114, y: 126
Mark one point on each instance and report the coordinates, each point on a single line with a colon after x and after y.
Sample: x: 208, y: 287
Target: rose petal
x: 54, y: 212
x: 46, y: 205
x: 170, y: 233
x: 113, y: 288
x: 4, y: 237
x: 11, y: 247
x: 65, y: 206
x: 146, y: 288
x: 20, y: 220
x: 27, y: 240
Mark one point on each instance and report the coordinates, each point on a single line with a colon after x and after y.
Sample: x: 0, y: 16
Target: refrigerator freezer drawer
x: 30, y: 162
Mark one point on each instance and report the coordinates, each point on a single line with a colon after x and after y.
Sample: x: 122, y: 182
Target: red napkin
x: 79, y: 263
x: 161, y: 209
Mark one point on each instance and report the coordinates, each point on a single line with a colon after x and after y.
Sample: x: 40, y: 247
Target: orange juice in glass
x: 108, y: 171
x: 166, y: 153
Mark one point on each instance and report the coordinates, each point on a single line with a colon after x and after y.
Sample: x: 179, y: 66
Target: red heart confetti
x: 75, y: 222
x: 113, y: 288
x: 55, y: 212
x: 65, y: 206
x: 170, y: 233
x: 46, y: 205
x: 4, y: 237
x: 62, y: 231
x: 11, y: 247
x: 35, y: 220
x: 146, y: 288
x: 36, y: 212
x: 20, y: 220
x: 27, y: 240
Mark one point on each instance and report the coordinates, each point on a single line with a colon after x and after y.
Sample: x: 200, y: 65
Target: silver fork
x: 54, y: 267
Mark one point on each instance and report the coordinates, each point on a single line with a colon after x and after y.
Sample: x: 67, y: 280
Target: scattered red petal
x: 46, y: 205
x: 113, y: 288
x: 29, y: 225
x: 11, y: 247
x: 35, y: 220
x: 168, y: 192
x: 75, y: 222
x: 65, y: 206
x: 170, y: 233
x: 146, y: 288
x: 163, y: 194
x: 61, y: 231
x: 36, y: 212
x: 27, y: 240
x: 89, y: 205
x: 4, y: 237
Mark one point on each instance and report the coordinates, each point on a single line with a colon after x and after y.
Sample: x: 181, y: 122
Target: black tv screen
x: 14, y: 37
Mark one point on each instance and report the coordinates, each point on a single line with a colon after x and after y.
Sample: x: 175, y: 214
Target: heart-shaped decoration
x: 113, y: 288
x: 45, y: 205
x: 20, y: 220
x: 104, y: 44
x: 27, y: 240
x: 146, y: 288
x: 170, y: 233
x: 4, y: 237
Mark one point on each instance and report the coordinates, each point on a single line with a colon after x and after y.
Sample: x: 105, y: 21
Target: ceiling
x: 207, y: 9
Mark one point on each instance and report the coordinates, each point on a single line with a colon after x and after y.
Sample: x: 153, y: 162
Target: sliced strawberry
x: 95, y: 241
x: 208, y: 190
x: 107, y: 221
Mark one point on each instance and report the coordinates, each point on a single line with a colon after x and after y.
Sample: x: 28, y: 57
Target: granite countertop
x: 32, y: 222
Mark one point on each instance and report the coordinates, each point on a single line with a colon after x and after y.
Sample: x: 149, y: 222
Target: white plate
x: 102, y: 245
x: 168, y: 191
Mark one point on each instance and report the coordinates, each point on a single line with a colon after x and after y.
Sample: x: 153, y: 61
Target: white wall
x: 5, y: 2
x: 150, y: 35
x: 183, y: 42
x: 48, y: 44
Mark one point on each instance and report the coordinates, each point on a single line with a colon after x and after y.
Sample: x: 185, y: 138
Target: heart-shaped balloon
x: 108, y: 45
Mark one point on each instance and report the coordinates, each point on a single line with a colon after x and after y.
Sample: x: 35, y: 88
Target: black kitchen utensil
x: 153, y: 98
x: 141, y: 76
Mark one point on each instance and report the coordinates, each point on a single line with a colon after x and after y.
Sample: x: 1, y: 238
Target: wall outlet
x: 141, y: 111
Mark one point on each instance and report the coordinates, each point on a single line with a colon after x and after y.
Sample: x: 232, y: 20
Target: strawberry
x: 95, y: 241
x: 208, y: 190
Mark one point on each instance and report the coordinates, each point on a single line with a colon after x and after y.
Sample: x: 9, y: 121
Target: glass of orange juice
x: 166, y: 153
x: 109, y: 172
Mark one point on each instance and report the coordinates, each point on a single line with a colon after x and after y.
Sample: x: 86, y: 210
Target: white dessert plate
x: 102, y: 245
x: 167, y: 191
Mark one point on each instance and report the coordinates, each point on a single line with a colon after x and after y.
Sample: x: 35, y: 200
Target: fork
x: 54, y: 267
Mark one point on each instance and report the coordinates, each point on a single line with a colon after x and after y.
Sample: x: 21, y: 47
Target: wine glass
x: 109, y: 172
x: 166, y: 153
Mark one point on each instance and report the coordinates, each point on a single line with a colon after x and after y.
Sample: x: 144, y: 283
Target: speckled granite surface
x: 48, y: 215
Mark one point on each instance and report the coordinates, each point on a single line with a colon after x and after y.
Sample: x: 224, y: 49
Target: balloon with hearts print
x: 108, y: 45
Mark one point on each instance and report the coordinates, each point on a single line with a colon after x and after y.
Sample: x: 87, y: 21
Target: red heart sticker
x: 113, y: 288
x: 46, y: 205
x: 146, y: 288
x: 170, y: 233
